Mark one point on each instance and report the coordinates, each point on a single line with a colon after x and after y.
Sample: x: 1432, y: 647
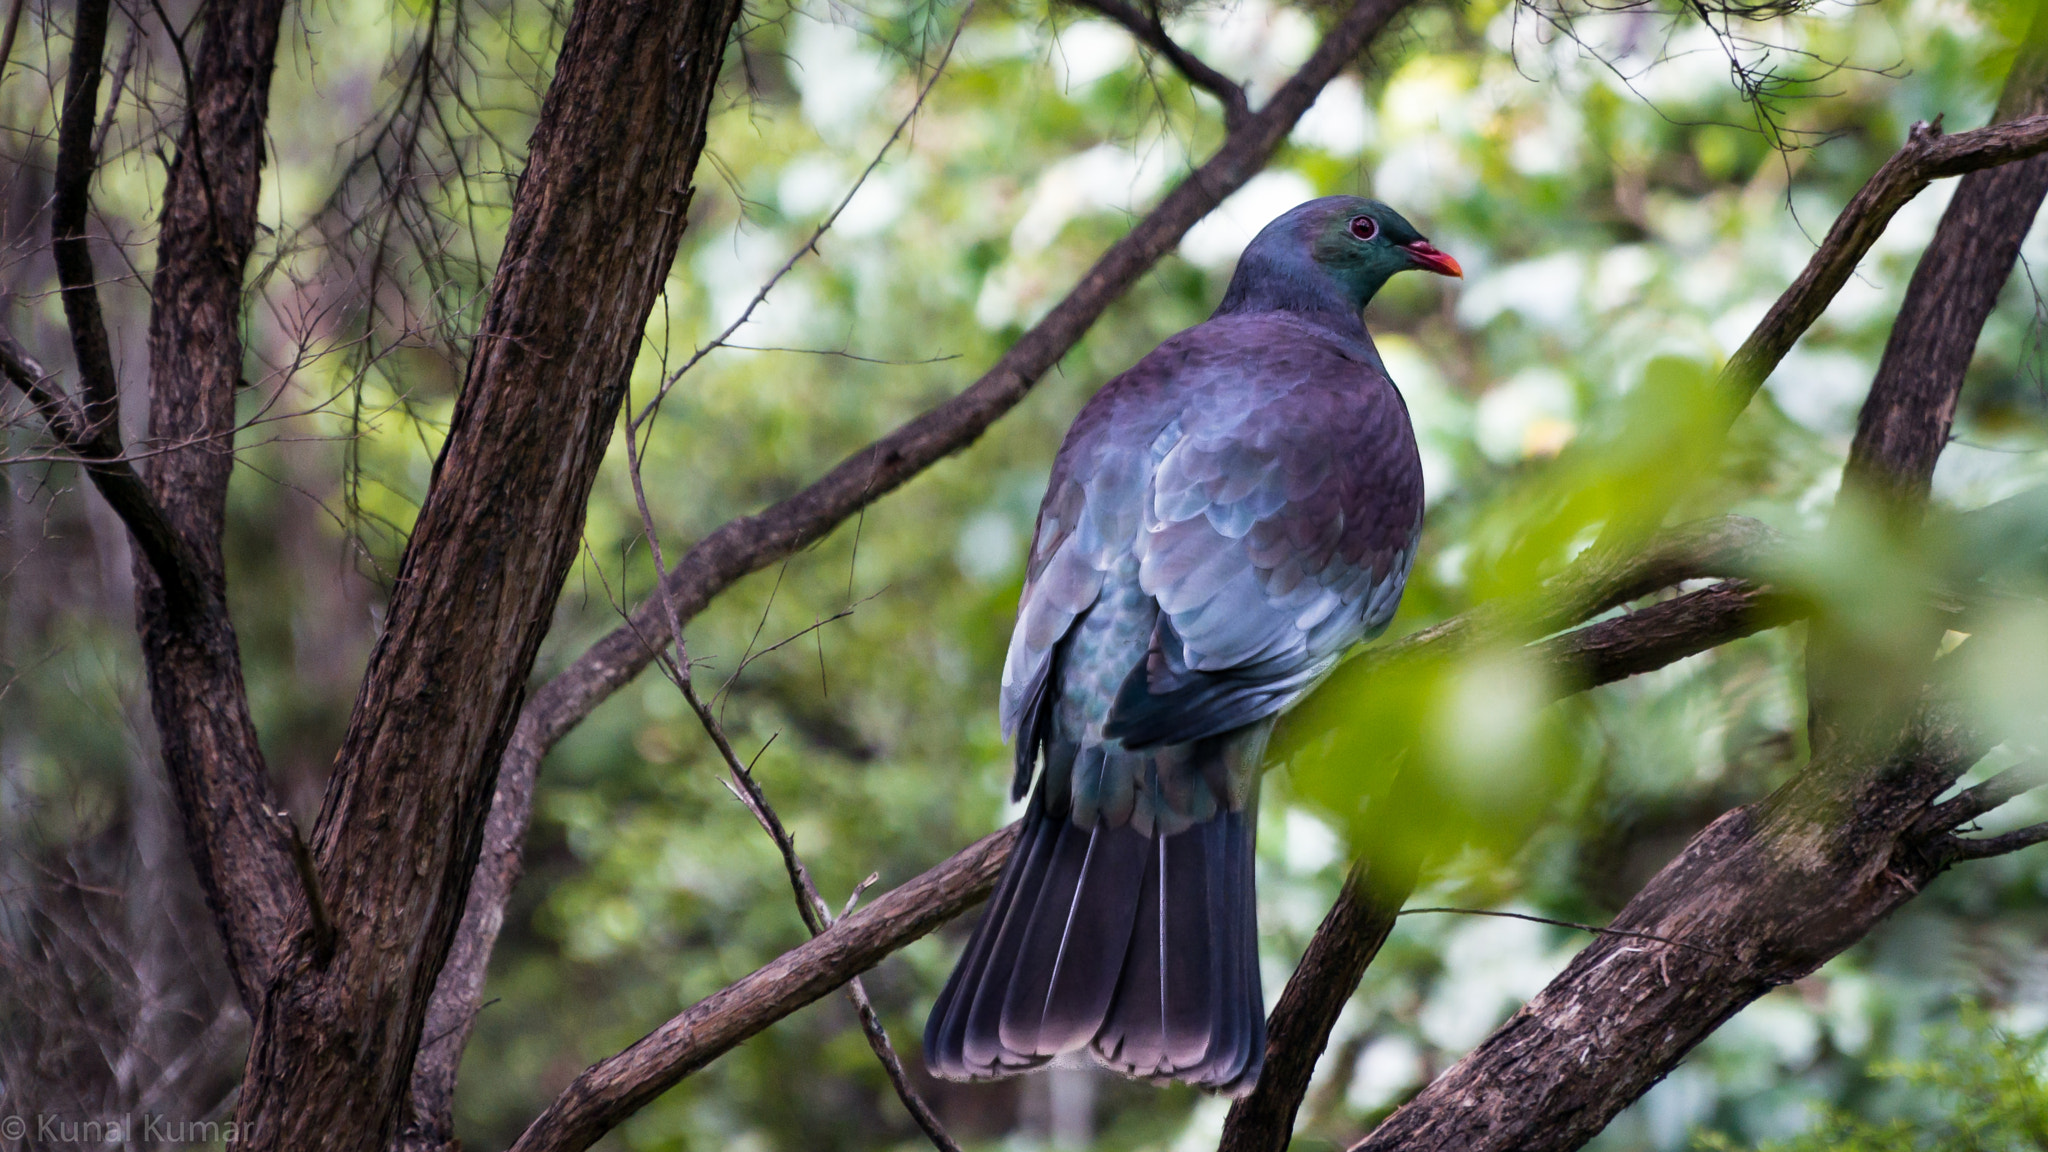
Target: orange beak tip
x: 1428, y: 258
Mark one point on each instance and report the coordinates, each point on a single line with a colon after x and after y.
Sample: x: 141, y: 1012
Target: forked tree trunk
x: 594, y: 230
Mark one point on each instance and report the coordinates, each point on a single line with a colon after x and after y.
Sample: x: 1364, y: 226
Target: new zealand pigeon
x: 1222, y: 522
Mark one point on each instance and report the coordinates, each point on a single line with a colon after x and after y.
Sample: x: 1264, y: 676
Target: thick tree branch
x: 611, y: 1090
x: 1351, y: 934
x: 1764, y: 896
x: 1927, y: 156
x: 750, y: 543
x: 594, y: 229
x: 207, y: 228
x: 1146, y: 27
x: 1771, y: 890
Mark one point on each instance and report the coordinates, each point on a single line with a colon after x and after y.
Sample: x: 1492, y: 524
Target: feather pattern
x: 1222, y: 522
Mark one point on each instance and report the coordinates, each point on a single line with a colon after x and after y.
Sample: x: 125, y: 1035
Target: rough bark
x: 208, y: 740
x: 1856, y: 689
x: 612, y: 1089
x: 594, y: 229
x: 1771, y: 890
x: 1299, y: 1028
x: 751, y: 543
x: 1764, y: 896
x: 1904, y: 424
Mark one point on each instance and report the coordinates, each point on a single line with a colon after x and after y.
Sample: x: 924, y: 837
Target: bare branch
x: 1927, y: 156
x: 1146, y: 27
x: 1299, y: 1028
x: 1983, y: 848
x: 1763, y: 896
x: 608, y: 1092
x: 751, y: 543
x: 613, y: 1089
x: 1978, y: 799
x: 70, y: 205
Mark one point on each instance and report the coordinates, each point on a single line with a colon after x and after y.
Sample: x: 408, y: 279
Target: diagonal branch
x: 609, y: 1091
x: 596, y: 220
x: 1975, y: 801
x: 1772, y: 890
x: 1927, y: 156
x: 1985, y: 847
x: 115, y: 478
x: 1146, y: 27
x: 69, y: 248
x: 751, y: 543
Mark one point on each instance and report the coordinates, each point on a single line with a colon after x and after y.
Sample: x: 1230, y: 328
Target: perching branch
x: 613, y: 1089
x: 1146, y: 27
x: 751, y: 543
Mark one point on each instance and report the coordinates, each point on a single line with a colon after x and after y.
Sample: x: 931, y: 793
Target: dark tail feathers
x: 1143, y: 950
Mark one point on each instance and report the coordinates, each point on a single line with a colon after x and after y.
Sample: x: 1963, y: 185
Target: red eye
x: 1364, y: 227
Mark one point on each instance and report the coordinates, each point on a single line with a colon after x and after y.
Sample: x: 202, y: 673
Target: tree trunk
x: 594, y: 230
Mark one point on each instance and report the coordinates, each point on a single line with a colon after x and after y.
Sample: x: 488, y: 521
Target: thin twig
x: 7, y: 36
x: 811, y: 245
x: 115, y: 85
x: 1146, y: 27
x: 817, y: 916
x: 1596, y: 929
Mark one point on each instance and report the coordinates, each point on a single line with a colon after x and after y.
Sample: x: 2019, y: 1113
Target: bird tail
x: 1141, y: 948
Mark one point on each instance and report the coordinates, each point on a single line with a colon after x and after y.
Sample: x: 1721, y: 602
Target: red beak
x: 1428, y: 258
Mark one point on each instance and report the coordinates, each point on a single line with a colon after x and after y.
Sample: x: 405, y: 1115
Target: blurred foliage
x: 1981, y: 1088
x: 1624, y: 215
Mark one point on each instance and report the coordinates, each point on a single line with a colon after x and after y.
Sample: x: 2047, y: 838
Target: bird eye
x: 1364, y: 227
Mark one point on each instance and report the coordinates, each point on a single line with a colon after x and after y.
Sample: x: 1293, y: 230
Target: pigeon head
x: 1329, y: 256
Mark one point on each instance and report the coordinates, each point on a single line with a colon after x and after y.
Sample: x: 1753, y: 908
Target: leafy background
x: 1625, y: 202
